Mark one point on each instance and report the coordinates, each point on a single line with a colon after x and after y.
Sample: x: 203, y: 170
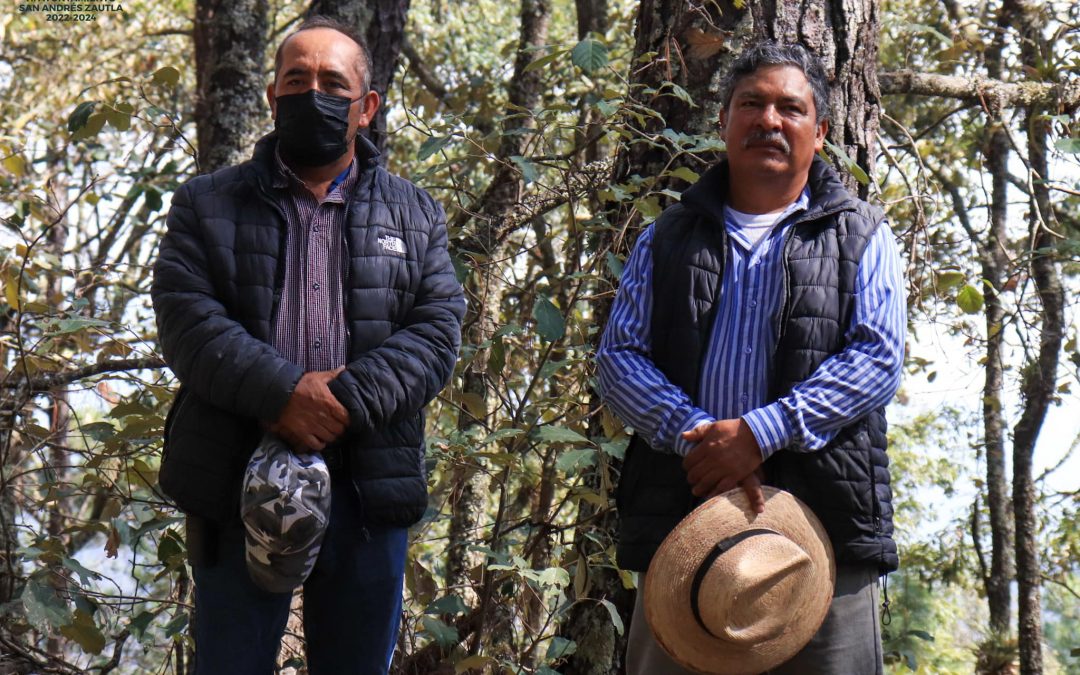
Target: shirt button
x: 318, y: 344
x: 747, y: 350
x: 315, y: 286
x: 744, y: 398
x: 315, y: 229
x: 752, y: 303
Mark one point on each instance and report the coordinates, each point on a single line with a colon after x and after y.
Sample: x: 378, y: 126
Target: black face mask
x: 312, y: 127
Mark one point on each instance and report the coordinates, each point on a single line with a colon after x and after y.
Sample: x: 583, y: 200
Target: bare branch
x: 1063, y: 95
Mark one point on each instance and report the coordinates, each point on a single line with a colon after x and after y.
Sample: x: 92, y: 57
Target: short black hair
x: 769, y: 53
x: 363, y: 65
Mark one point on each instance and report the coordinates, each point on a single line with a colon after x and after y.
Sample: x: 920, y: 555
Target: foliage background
x: 513, y: 563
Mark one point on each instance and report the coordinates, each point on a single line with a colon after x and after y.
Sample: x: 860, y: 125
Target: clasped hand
x: 313, y: 417
x: 726, y: 453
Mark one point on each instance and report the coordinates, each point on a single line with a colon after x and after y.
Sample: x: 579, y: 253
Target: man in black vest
x: 310, y: 293
x: 757, y: 335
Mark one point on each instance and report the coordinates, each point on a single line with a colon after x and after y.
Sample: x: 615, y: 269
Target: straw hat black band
x: 722, y: 547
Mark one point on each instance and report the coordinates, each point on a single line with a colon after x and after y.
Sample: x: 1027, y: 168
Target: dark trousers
x: 352, y: 600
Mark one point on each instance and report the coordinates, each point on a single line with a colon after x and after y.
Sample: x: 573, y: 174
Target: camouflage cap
x: 285, y: 506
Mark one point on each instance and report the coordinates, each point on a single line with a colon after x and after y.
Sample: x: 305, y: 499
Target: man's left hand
x: 725, y: 453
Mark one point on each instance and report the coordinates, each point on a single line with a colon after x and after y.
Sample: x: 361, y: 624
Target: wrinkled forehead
x: 775, y: 79
x: 321, y: 50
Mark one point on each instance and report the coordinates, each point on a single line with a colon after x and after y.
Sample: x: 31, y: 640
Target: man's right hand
x: 313, y: 417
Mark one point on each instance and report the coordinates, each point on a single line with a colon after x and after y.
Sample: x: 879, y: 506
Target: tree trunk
x: 994, y: 265
x: 382, y: 23
x: 1039, y: 382
x: 231, y: 109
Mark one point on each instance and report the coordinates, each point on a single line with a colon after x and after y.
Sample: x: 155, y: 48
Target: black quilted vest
x: 847, y: 483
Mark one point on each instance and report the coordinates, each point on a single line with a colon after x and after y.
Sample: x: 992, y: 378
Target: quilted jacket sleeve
x: 210, y: 352
x: 400, y: 376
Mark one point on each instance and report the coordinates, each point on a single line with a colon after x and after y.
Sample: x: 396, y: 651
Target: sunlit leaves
x: 969, y: 299
x: 590, y: 55
x: 166, y: 76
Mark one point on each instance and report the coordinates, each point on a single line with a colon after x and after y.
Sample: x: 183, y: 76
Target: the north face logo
x: 392, y: 244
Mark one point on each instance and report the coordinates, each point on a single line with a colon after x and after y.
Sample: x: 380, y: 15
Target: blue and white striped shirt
x: 737, y: 364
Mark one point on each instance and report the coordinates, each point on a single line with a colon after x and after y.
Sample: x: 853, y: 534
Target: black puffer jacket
x: 217, y: 283
x: 846, y: 484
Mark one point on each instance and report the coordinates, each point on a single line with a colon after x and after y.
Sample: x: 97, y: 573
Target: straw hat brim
x: 671, y: 575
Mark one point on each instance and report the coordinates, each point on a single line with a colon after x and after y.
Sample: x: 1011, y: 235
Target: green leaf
x: 969, y: 299
x: 574, y: 461
x: 178, y: 623
x: 431, y: 145
x: 947, y: 279
x: 590, y: 55
x: 508, y: 329
x: 615, y: 265
x: 608, y: 108
x: 528, y: 169
x: 549, y: 320
x: 94, y: 124
x: 43, y: 606
x: 443, y: 634
x: 555, y: 577
x: 510, y: 432
x: 153, y: 198
x: 1069, y: 145
x: 648, y: 206
x: 922, y: 635
x: 447, y: 604
x: 78, y: 117
x: 681, y: 94
x: 74, y: 325
x: 616, y: 620
x: 140, y: 623
x: 167, y: 76
x: 544, y: 60
x: 560, y: 435
x: 686, y: 174
x: 560, y: 648
x: 848, y: 162
x: 119, y: 116
x: 85, y: 632
x: 85, y: 575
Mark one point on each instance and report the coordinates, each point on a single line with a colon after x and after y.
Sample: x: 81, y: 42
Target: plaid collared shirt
x: 310, y: 328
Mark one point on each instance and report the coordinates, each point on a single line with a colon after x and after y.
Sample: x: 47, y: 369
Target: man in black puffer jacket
x: 310, y: 293
x: 757, y: 335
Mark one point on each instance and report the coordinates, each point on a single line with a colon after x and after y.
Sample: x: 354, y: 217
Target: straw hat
x: 731, y: 592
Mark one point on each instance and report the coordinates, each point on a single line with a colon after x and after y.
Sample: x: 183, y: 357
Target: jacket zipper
x: 279, y: 270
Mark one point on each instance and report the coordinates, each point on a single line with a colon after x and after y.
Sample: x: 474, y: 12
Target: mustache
x: 772, y: 138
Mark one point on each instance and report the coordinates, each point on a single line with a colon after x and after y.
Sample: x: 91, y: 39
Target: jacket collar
x: 264, y: 164
x: 827, y: 193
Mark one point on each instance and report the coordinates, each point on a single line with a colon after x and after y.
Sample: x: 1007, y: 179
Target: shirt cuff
x: 771, y: 428
x: 680, y: 445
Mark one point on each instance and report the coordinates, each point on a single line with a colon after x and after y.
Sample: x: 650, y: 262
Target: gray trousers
x: 848, y: 643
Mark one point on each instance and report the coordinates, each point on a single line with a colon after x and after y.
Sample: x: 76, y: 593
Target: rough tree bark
x: 1039, y: 382
x: 230, y: 50
x: 382, y: 23
x: 995, y: 263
